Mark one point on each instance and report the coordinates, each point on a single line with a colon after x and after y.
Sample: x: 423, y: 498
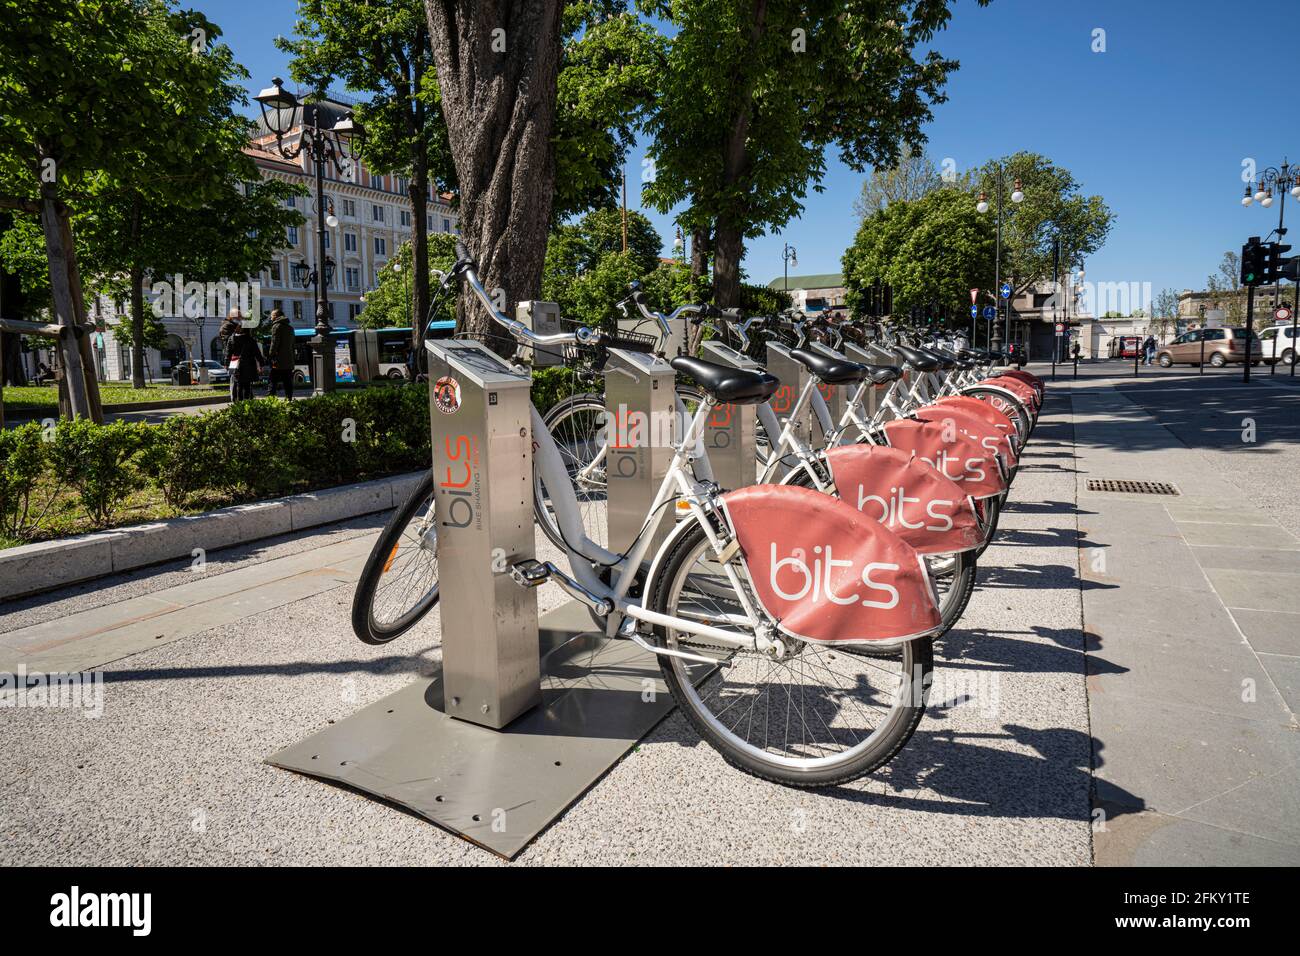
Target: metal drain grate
x: 1132, y: 487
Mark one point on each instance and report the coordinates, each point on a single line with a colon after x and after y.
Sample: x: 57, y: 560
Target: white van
x: 1278, y: 342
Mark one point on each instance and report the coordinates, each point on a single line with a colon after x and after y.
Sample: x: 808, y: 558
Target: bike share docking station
x: 870, y: 355
x: 525, y: 713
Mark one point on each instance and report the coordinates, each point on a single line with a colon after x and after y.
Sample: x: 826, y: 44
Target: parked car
x: 1278, y: 342
x: 218, y: 374
x: 1215, y: 347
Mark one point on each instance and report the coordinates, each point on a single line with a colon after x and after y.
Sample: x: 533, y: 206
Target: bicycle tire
x: 917, y: 661
x: 381, y: 560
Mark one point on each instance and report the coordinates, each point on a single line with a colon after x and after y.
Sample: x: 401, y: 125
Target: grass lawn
x: 41, y: 397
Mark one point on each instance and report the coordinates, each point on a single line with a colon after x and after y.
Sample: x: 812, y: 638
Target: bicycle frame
x: 611, y: 600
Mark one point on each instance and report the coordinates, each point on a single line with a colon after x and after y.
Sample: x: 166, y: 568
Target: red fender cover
x: 956, y: 456
x: 827, y: 573
x: 1034, y: 381
x: 990, y: 437
x: 974, y: 406
x: 930, y: 512
x: 1016, y: 388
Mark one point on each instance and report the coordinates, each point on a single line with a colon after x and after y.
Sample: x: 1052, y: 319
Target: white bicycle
x: 749, y: 612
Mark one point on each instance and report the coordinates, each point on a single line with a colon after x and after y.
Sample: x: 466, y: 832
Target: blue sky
x: 1158, y: 124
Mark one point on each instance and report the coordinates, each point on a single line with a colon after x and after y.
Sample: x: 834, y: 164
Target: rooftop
x: 828, y: 280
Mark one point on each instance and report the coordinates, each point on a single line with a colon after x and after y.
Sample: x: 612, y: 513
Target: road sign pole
x: 1250, y: 330
x: 1295, y: 309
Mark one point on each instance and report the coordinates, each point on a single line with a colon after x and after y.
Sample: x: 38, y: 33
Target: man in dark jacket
x: 281, y: 355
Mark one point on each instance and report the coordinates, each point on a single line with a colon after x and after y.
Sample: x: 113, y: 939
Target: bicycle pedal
x: 529, y: 574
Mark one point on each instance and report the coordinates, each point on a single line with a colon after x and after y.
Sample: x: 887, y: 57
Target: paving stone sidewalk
x: 1191, y: 607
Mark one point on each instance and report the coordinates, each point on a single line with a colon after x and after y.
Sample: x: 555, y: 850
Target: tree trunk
x: 419, y: 190
x: 699, y: 255
x: 65, y: 303
x: 728, y: 249
x: 497, y: 66
x: 137, y: 328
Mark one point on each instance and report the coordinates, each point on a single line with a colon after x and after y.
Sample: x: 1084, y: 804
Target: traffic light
x: 1273, y: 261
x: 1252, y: 262
x: 1290, y: 269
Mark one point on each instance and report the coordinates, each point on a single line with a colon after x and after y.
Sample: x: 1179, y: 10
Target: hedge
x: 261, y: 448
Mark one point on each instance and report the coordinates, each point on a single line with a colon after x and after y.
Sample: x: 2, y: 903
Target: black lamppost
x: 1274, y: 181
x: 306, y: 275
x: 982, y: 205
x: 280, y: 113
x: 789, y: 255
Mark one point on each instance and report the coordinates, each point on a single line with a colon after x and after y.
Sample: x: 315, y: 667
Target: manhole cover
x: 1132, y: 487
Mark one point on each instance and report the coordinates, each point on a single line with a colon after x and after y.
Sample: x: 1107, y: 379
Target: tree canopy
x: 932, y: 249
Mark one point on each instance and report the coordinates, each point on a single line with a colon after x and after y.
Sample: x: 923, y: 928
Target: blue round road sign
x: 1005, y: 290
x: 990, y: 312
x: 974, y: 311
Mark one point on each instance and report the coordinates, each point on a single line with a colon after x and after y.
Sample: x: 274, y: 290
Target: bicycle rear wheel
x: 399, y: 583
x: 816, y: 717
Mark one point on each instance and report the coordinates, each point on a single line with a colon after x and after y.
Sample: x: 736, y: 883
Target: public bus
x: 384, y: 351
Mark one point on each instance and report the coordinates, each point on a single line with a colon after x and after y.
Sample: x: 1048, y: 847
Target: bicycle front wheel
x: 814, y: 716
x: 577, y: 427
x: 399, y: 583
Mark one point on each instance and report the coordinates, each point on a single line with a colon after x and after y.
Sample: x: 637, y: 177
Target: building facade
x: 813, y: 294
x: 374, y: 218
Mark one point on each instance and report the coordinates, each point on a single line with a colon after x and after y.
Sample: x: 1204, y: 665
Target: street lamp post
x: 982, y: 205
x: 1282, y: 180
x: 280, y: 113
x: 788, y: 256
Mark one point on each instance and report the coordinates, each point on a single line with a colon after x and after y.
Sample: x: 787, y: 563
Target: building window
x: 446, y: 225
x: 406, y: 218
x: 297, y: 310
x: 292, y: 235
x: 403, y: 184
x: 376, y: 212
x: 327, y: 240
x: 353, y: 277
x: 354, y: 309
x: 349, y: 208
x: 429, y: 223
x: 381, y: 246
x: 292, y: 202
x: 274, y: 270
x: 349, y: 242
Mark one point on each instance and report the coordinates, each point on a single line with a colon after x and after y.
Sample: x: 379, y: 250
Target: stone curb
x: 25, y: 415
x: 32, y: 568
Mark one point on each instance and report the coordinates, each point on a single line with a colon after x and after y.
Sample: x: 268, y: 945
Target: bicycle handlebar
x: 465, y: 267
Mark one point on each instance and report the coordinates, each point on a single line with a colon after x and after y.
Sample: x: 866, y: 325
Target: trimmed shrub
x: 22, y: 462
x: 97, y: 460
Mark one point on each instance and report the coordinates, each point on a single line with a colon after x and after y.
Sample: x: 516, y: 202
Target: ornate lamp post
x: 1275, y: 181
x: 789, y: 256
x: 280, y: 113
x: 306, y: 275
x: 982, y: 205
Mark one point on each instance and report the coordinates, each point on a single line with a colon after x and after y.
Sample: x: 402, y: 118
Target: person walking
x: 244, y: 358
x: 280, y: 353
x: 1149, y: 349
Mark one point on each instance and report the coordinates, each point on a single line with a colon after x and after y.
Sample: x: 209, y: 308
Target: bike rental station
x: 529, y: 710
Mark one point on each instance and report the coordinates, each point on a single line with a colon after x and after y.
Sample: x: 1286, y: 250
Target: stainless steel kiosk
x: 640, y: 405
x: 730, y: 434
x: 523, y: 715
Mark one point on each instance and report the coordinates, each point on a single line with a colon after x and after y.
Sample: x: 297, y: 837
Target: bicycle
x: 749, y: 628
